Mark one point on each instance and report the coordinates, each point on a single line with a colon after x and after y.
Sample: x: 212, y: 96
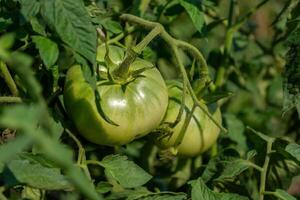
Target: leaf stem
x: 8, y: 79
x: 81, y: 150
x: 258, y: 168
x: 94, y: 162
x: 10, y: 100
x: 121, y: 35
x: 263, y: 174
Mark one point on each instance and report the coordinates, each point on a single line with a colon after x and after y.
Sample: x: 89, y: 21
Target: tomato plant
x: 134, y: 107
x: 85, y: 111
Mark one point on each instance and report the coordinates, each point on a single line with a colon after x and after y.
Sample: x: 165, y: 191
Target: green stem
x: 121, y: 35
x: 258, y: 168
x: 122, y: 71
x: 10, y: 100
x: 263, y: 174
x: 81, y: 159
x: 8, y: 79
x: 264, y: 168
x: 94, y: 162
x: 184, y: 127
x: 81, y: 150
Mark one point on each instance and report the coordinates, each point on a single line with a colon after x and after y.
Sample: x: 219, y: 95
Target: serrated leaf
x: 29, y: 8
x: 201, y: 191
x: 48, y: 50
x: 38, y: 176
x: 71, y: 21
x: 294, y: 150
x: 236, y: 130
x: 111, y: 26
x: 283, y: 195
x: 126, y: 172
x: 38, y: 26
x: 210, y: 170
x: 232, y: 169
x: 195, y: 14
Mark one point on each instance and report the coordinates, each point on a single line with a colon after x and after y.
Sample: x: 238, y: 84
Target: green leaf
x: 25, y: 119
x: 294, y: 150
x: 10, y: 149
x: 195, y: 14
x: 236, y: 130
x: 7, y: 40
x: 48, y: 50
x: 159, y: 196
x: 232, y: 169
x: 283, y: 195
x: 71, y: 21
x: 126, y: 172
x: 4, y: 23
x: 103, y: 187
x: 201, y: 191
x: 111, y: 25
x: 38, y: 26
x: 29, y: 8
x: 38, y: 176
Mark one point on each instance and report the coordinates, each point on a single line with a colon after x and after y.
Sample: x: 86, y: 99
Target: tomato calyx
x: 119, y: 72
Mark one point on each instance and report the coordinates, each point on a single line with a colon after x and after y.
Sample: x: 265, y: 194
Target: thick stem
x: 81, y: 159
x: 121, y: 35
x: 264, y: 169
x: 264, y: 172
x: 122, y: 71
x: 10, y: 100
x: 8, y: 79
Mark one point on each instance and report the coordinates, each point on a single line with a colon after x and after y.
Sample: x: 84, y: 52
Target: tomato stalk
x: 122, y: 71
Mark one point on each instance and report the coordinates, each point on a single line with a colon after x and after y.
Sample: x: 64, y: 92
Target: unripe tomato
x: 136, y: 106
x: 201, y: 132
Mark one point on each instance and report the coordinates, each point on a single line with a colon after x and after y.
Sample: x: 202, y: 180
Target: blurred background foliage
x: 245, y: 46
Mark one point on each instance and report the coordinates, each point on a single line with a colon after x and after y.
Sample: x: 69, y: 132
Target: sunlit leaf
x: 71, y: 21
x: 126, y: 172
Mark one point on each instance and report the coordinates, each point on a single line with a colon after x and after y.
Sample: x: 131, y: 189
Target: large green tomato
x: 201, y: 132
x: 136, y: 107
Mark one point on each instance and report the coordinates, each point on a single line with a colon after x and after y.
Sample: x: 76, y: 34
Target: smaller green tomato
x: 136, y: 106
x: 201, y: 132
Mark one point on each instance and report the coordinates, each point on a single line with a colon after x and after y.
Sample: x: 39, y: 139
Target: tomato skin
x: 136, y: 108
x: 201, y: 132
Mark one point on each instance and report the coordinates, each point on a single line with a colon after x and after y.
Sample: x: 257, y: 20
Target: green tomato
x: 136, y: 107
x: 201, y: 132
